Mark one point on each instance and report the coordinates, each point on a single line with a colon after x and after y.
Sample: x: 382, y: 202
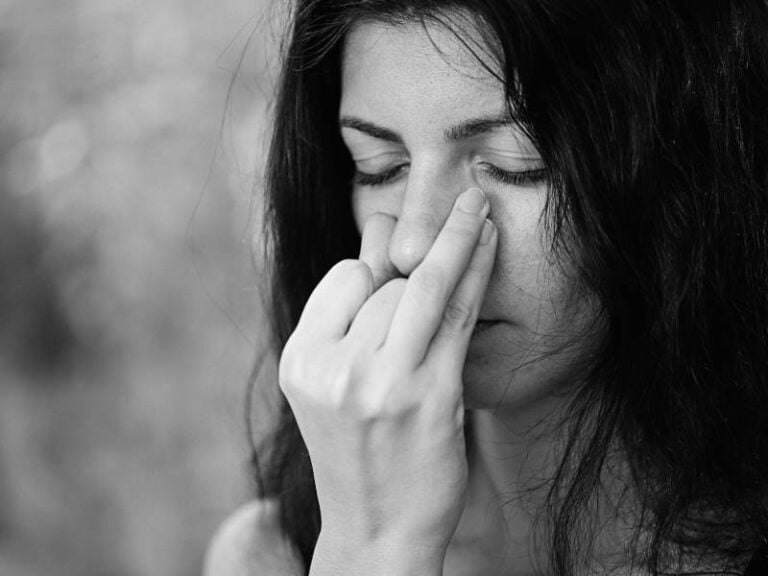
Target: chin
x: 505, y: 386
x: 508, y: 372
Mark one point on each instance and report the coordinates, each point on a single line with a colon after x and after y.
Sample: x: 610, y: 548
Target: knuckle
x: 389, y: 399
x: 367, y: 391
x: 385, y: 409
x: 291, y: 369
x: 338, y: 388
x: 361, y: 275
x: 345, y: 266
x: 354, y: 268
x: 350, y: 270
x: 458, y: 314
x: 357, y: 389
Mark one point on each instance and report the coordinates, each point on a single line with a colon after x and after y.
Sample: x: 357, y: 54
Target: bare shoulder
x: 250, y: 543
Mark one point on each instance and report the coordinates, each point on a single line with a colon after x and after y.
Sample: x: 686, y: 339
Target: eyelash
x: 517, y: 178
x: 379, y: 179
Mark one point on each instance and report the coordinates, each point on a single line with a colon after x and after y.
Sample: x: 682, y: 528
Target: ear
x: 250, y: 543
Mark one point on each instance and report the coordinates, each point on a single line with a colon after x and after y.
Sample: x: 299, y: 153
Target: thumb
x: 374, y: 248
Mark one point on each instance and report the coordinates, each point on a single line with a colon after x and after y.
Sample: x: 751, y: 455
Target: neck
x: 513, y: 459
x: 510, y: 469
x: 516, y: 450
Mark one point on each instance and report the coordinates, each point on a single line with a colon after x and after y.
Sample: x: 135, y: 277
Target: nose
x: 425, y: 206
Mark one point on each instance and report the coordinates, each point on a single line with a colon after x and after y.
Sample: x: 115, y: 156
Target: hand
x: 373, y: 375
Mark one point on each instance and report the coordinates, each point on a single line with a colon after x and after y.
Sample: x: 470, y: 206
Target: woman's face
x: 423, y: 121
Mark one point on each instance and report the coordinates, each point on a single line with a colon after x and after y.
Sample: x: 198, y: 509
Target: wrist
x: 390, y: 556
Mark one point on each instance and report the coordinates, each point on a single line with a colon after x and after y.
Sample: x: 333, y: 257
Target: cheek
x: 537, y: 291
x: 522, y: 246
x: 526, y: 282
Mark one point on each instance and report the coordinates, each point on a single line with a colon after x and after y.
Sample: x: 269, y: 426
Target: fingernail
x: 485, y: 235
x: 472, y: 201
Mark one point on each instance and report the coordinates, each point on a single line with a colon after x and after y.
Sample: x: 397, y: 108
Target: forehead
x: 390, y: 72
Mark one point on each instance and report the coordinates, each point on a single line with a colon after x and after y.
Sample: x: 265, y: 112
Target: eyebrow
x: 462, y: 131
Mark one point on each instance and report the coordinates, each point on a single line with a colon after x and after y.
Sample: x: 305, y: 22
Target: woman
x: 520, y: 291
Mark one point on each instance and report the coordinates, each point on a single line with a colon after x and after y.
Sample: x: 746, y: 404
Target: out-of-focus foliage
x: 129, y: 310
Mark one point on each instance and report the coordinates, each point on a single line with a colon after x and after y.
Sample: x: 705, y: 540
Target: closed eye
x: 379, y: 178
x: 528, y: 177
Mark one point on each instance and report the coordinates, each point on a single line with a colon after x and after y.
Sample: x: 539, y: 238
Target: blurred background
x: 130, y: 174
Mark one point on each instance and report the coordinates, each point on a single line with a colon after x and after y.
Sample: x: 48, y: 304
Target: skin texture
x: 385, y: 358
x: 384, y: 363
x: 384, y: 355
x: 419, y: 85
x: 396, y: 79
x: 373, y: 376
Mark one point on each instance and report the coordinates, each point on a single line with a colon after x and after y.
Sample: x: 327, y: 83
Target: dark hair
x: 652, y: 117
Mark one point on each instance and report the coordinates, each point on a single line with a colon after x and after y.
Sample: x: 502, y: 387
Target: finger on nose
x: 411, y: 241
x: 374, y: 247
